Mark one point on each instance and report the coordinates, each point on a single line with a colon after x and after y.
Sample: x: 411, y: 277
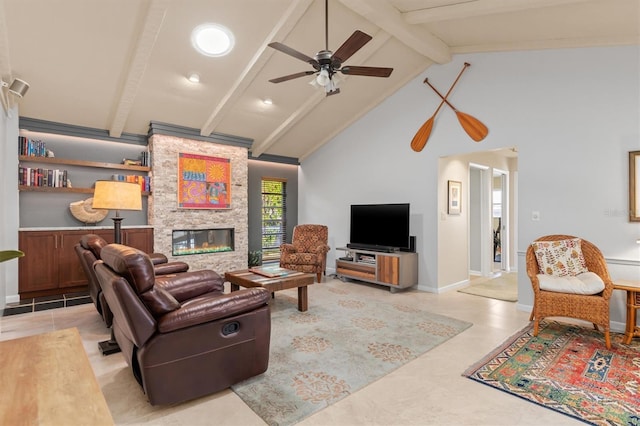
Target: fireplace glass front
x: 199, y: 241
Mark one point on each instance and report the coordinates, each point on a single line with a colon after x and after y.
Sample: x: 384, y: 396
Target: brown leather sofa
x: 183, y: 339
x: 88, y: 251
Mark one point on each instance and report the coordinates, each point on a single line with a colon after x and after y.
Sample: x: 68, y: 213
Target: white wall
x: 573, y: 114
x: 476, y: 195
x: 9, y: 206
x: 453, y: 230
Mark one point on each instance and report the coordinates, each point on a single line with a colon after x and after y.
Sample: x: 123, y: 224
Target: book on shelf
x: 146, y: 158
x: 37, y: 176
x: 31, y: 148
x: 271, y: 271
x: 143, y: 181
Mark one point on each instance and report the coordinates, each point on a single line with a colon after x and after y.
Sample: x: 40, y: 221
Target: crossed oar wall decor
x: 474, y: 128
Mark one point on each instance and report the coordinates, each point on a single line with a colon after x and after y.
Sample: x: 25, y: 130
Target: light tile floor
x: 427, y: 391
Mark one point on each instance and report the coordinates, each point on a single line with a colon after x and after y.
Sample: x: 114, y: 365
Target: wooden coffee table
x: 49, y: 381
x: 293, y: 279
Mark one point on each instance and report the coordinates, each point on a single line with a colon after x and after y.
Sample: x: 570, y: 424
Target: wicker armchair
x: 592, y: 308
x: 307, y: 251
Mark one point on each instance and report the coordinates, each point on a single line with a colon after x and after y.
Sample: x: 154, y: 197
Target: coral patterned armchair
x: 307, y: 251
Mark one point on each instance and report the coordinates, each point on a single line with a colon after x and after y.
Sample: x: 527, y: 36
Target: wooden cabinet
x: 388, y: 269
x: 138, y: 238
x: 51, y: 266
x: 38, y: 269
x: 396, y: 270
x: 70, y: 272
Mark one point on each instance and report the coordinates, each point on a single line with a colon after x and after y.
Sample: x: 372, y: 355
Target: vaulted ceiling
x: 119, y: 64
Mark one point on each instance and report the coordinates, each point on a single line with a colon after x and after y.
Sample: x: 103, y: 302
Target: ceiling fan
x: 327, y: 63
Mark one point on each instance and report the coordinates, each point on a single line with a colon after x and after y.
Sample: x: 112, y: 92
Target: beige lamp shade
x: 117, y: 195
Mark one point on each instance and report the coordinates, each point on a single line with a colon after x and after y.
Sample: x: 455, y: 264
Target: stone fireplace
x: 166, y: 217
x: 200, y: 241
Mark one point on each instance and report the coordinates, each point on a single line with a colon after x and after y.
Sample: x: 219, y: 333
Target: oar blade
x: 422, y: 135
x: 474, y: 128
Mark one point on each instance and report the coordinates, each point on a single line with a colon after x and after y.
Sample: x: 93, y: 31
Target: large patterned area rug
x: 568, y: 368
x: 346, y: 340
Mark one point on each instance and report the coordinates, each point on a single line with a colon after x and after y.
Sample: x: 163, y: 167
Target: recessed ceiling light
x: 267, y: 101
x: 194, y: 78
x: 212, y: 40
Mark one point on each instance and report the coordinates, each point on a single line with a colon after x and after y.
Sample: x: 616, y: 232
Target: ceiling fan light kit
x: 323, y: 77
x: 327, y: 64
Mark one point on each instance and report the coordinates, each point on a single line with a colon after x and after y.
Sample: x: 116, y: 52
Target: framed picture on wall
x: 455, y: 197
x: 203, y: 182
x: 634, y: 186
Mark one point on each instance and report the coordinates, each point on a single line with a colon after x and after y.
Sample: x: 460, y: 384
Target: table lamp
x: 117, y: 195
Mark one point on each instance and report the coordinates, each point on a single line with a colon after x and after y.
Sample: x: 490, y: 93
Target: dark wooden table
x: 293, y: 279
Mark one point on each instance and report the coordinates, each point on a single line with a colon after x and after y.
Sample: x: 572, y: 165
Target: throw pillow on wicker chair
x: 560, y: 258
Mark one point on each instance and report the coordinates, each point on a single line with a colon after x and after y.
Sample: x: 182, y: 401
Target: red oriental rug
x: 568, y: 368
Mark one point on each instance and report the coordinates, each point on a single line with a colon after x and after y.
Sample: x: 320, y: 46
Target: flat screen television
x: 380, y: 227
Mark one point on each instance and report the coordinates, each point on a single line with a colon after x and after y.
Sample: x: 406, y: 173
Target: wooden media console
x: 395, y: 270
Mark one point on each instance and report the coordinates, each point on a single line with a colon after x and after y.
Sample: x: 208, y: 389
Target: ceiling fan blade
x: 291, y: 76
x: 367, y: 71
x: 351, y: 46
x: 292, y: 52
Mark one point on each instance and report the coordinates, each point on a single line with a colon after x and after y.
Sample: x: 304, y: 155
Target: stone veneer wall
x: 165, y: 216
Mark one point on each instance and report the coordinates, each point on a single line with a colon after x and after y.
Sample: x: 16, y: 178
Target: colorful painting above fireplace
x: 203, y: 182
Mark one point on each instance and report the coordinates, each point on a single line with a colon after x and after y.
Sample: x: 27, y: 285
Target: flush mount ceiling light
x: 267, y: 101
x: 212, y: 40
x: 193, y: 77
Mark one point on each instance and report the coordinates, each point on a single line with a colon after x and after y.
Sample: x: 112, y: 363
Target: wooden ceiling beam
x: 477, y: 8
x: 387, y: 17
x: 284, y: 26
x: 138, y: 64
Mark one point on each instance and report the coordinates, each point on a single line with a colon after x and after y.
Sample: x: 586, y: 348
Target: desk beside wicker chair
x: 589, y: 307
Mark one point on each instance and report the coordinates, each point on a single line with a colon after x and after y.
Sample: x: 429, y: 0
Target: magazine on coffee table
x: 270, y: 271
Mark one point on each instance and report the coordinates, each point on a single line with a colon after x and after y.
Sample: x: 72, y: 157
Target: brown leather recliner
x: 88, y: 251
x: 183, y: 339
